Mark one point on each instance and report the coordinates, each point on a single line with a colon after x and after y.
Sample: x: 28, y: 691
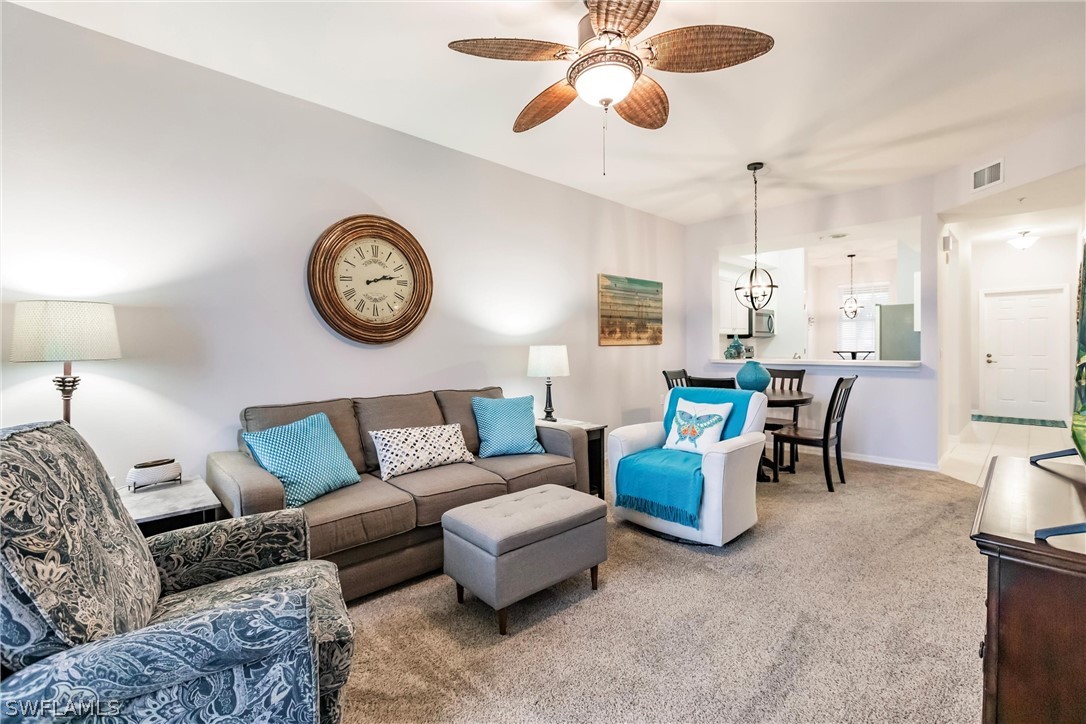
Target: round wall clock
x: 369, y: 279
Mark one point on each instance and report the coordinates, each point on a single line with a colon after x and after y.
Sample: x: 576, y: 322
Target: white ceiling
x: 1048, y: 207
x: 853, y: 95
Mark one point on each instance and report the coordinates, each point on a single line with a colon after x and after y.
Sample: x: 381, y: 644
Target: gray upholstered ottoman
x: 507, y: 548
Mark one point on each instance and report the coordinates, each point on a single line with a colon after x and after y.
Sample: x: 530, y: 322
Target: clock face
x: 374, y: 282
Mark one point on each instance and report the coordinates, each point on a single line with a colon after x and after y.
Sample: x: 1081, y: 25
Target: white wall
x: 892, y: 411
x: 789, y: 304
x: 191, y: 200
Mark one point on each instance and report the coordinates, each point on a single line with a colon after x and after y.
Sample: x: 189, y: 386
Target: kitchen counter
x: 898, y: 364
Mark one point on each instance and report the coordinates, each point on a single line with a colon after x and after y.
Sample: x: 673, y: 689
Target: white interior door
x: 1025, y: 368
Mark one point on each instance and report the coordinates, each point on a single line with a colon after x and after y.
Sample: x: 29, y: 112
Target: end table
x: 597, y: 470
x: 169, y: 507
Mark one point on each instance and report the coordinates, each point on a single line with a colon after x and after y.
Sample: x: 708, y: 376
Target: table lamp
x: 548, y: 360
x: 64, y: 331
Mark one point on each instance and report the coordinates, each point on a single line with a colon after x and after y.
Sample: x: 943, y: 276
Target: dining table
x: 793, y: 399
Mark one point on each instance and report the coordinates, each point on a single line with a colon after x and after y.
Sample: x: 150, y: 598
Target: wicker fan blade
x: 545, y: 106
x: 512, y: 48
x: 628, y: 17
x: 701, y: 48
x: 646, y: 106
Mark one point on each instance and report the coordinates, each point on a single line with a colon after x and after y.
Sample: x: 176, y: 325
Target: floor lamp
x: 64, y: 331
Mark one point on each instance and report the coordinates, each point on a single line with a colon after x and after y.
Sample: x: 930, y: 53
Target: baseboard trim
x: 892, y: 462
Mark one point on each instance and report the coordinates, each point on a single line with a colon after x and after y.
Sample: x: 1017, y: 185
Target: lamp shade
x: 63, y: 331
x: 548, y: 360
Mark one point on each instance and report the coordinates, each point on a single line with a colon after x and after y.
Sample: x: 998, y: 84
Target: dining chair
x: 828, y: 436
x: 676, y: 378
x: 786, y: 381
x: 721, y: 383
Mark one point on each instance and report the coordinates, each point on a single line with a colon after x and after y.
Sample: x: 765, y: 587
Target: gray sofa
x: 381, y: 533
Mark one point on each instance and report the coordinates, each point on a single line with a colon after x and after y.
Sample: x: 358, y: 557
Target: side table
x: 169, y: 507
x: 597, y: 469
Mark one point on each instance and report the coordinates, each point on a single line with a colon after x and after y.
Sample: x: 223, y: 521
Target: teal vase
x: 752, y: 376
x: 735, y: 349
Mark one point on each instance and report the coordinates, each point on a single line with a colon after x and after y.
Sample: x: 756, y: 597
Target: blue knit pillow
x: 306, y: 456
x: 506, y: 426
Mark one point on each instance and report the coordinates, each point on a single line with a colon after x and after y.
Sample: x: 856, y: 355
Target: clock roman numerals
x: 374, y: 250
x: 349, y: 294
x: 401, y: 282
x: 398, y: 268
x: 344, y: 278
x: 400, y: 296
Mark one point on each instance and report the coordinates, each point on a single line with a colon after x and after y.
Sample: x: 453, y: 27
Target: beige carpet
x: 865, y: 605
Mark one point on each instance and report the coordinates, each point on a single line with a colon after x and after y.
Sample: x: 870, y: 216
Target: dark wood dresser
x: 1034, y: 650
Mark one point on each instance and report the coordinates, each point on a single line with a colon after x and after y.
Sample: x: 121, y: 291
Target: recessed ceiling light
x: 838, y: 236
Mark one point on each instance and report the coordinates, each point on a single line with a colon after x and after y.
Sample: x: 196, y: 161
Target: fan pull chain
x: 605, y: 109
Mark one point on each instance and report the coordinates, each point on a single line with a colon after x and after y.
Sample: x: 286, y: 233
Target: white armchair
x: 729, y: 469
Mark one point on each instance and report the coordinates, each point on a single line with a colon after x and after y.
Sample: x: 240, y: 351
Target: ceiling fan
x: 607, y: 68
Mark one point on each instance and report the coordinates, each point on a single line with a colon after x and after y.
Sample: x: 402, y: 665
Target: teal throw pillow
x: 506, y: 426
x: 306, y: 456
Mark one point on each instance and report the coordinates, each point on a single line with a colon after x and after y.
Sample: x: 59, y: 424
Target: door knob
x: 991, y: 361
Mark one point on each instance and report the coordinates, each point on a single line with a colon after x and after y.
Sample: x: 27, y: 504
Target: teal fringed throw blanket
x: 665, y: 484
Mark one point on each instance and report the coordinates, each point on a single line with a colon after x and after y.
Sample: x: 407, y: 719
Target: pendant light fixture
x: 852, y: 306
x: 1023, y: 241
x: 755, y: 288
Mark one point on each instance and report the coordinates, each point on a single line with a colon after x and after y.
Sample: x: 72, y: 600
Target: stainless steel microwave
x: 762, y: 323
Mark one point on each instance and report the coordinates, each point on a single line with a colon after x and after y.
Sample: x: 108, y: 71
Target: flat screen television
x: 1078, y: 411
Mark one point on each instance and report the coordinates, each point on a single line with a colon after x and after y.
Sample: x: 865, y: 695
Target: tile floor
x: 968, y: 458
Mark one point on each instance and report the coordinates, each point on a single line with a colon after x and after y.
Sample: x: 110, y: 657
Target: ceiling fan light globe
x: 605, y: 84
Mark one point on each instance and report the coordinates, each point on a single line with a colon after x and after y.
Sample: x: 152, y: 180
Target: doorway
x: 1025, y: 362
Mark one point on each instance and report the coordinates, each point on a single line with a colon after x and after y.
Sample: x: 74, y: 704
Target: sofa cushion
x: 456, y: 407
x: 335, y: 634
x: 362, y: 513
x: 439, y: 489
x: 306, y: 456
x: 381, y: 413
x: 80, y: 568
x: 340, y: 413
x: 521, y: 472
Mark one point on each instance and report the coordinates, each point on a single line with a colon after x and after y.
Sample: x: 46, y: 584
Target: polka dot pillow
x: 407, y: 449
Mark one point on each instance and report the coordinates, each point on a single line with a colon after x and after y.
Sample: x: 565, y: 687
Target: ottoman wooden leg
x: 503, y: 620
x: 459, y: 593
x: 595, y: 577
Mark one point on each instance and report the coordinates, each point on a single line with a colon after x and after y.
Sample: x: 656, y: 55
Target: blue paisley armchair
x: 227, y: 620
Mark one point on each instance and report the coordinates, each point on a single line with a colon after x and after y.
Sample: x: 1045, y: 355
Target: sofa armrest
x: 569, y: 441
x: 625, y: 441
x: 262, y: 649
x: 726, y: 447
x: 630, y: 439
x: 242, y: 486
x: 203, y: 554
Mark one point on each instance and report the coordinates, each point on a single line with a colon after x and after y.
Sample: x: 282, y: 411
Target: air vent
x: 988, y: 176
